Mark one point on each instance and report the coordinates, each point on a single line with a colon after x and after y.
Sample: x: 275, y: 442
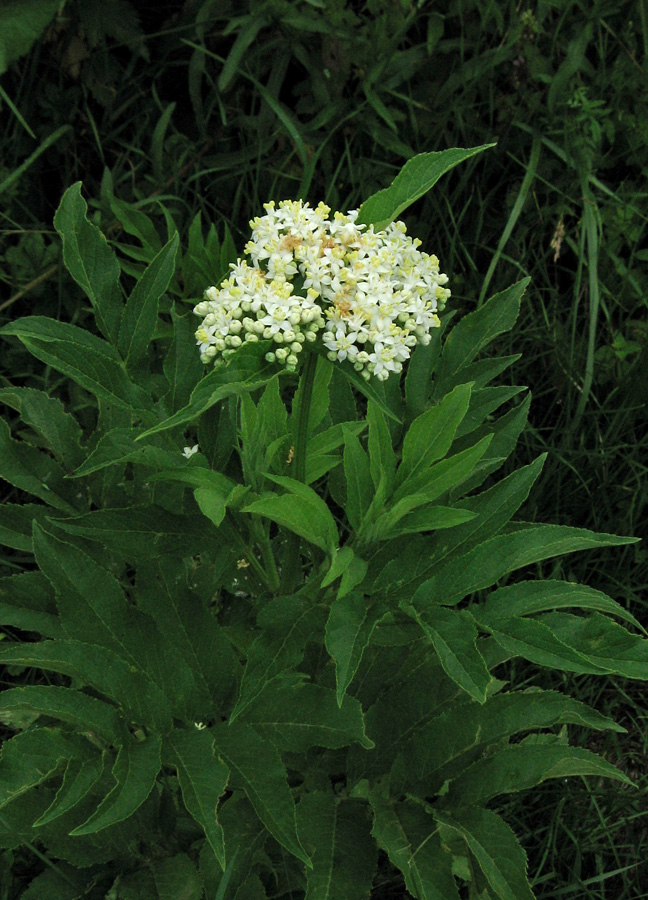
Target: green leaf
x: 474, y: 332
x: 46, y: 415
x: 187, y: 624
x: 119, y: 446
x: 203, y: 779
x: 33, y: 756
x: 88, y: 360
x: 416, y: 178
x: 432, y: 518
x: 35, y: 472
x: 495, y: 847
x: 336, y: 833
x: 27, y: 602
x: 359, y: 489
x: 408, y: 834
x: 603, y: 642
x: 524, y: 766
x: 21, y: 23
x: 350, y: 624
x: 342, y: 559
x: 286, y: 624
x: 84, y: 712
x: 493, y: 509
x: 139, y: 697
x: 90, y: 261
x: 176, y: 878
x: 299, y: 716
x: 504, y: 553
x: 245, y: 371
x: 453, y: 636
x: 182, y: 367
x: 301, y: 511
x: 483, y: 402
x: 79, y: 779
x: 144, y: 532
x: 257, y: 769
x: 368, y: 389
x: 140, y: 315
x: 382, y: 458
x: 430, y: 435
x: 135, y: 771
x: 468, y: 729
x: 531, y: 597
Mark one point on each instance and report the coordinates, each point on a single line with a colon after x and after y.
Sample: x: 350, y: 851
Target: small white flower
x: 188, y: 452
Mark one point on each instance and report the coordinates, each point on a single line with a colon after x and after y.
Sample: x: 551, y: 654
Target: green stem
x: 262, y: 539
x: 302, y: 414
x: 248, y: 553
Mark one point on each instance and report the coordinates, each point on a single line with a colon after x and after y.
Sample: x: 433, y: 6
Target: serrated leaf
x: 493, y: 509
x: 182, y: 367
x: 32, y: 757
x: 176, y: 878
x: 140, y: 315
x: 603, y: 642
x: 453, y: 636
x: 416, y: 178
x: 140, y: 698
x: 90, y: 261
x: 257, y: 769
x: 430, y: 435
x: 47, y: 416
x: 373, y: 392
x: 27, y: 602
x: 344, y: 856
x: 531, y: 597
x: 203, y: 779
x: 135, y: 771
x: 382, y: 458
x: 35, y: 472
x: 299, y: 716
x: 504, y: 553
x: 88, y: 360
x: 119, y: 446
x: 524, y: 766
x: 301, y: 511
x: 21, y: 23
x: 431, y: 518
x: 496, y: 849
x: 286, y: 624
x: 84, y: 712
x: 469, y: 729
x: 359, y: 489
x: 79, y: 779
x: 352, y: 619
x: 476, y: 330
x: 406, y: 832
x: 245, y: 371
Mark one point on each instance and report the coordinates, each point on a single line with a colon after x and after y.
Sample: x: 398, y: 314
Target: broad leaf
x: 84, y: 712
x: 335, y: 832
x: 27, y: 602
x: 79, y: 779
x: 90, y: 261
x: 182, y: 367
x: 33, y: 756
x: 408, y: 834
x: 286, y: 624
x: 119, y: 445
x: 140, y: 315
x: 135, y: 771
x: 299, y: 716
x: 88, y: 360
x: 483, y: 566
x: 301, y: 511
x: 176, y: 878
x: 257, y: 769
x: 203, y: 779
x: 524, y: 766
x: 496, y: 849
x: 21, y: 23
x: 453, y: 636
x: 416, y: 178
x: 359, y: 489
x: 350, y: 624
x: 474, y: 332
x: 245, y: 371
x: 47, y: 416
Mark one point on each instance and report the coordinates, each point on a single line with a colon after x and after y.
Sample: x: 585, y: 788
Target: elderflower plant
x: 370, y: 296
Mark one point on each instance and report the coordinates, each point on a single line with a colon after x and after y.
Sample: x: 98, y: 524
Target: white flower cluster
x: 371, y: 295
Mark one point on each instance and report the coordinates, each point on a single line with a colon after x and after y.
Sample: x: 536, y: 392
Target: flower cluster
x: 370, y: 296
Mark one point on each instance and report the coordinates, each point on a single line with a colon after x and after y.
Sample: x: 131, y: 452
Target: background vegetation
x: 176, y: 108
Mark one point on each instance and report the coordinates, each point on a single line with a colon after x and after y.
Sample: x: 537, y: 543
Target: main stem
x: 303, y: 397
